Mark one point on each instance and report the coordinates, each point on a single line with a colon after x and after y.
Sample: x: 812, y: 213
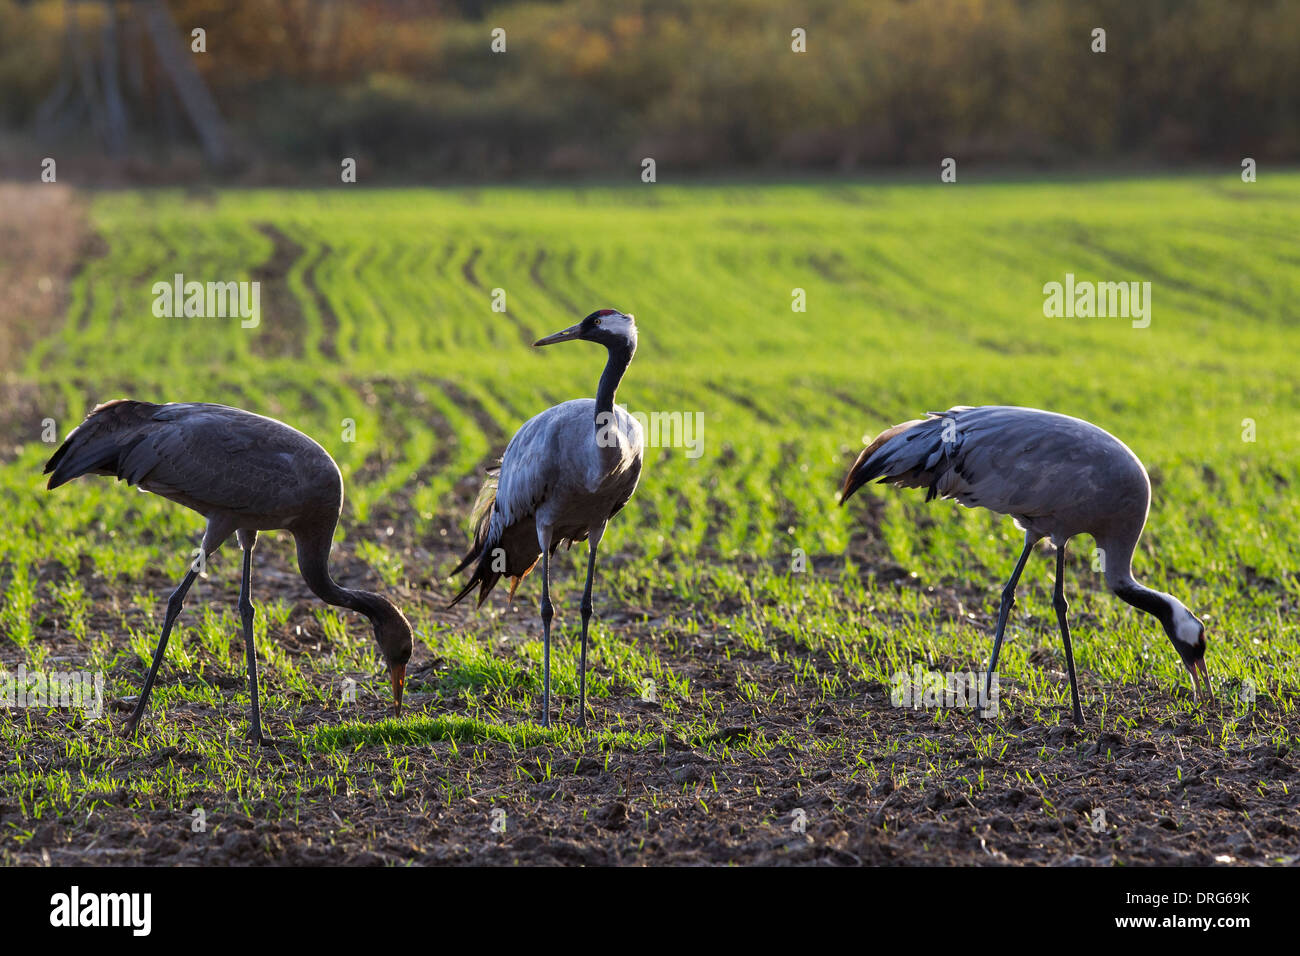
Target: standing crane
x: 245, y: 474
x: 565, y: 473
x: 1057, y: 476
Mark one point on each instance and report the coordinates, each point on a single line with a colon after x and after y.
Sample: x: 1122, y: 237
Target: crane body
x: 563, y: 475
x: 244, y: 473
x: 1058, y: 477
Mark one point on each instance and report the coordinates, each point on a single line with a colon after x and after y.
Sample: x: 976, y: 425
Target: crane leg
x: 174, y: 605
x: 586, y: 619
x: 1061, y: 605
x: 547, y: 613
x: 1004, y: 612
x: 247, y: 541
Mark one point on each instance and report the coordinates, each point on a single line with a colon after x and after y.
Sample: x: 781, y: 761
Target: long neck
x: 313, y: 563
x: 620, y: 357
x: 1117, y: 560
x: 1156, y: 603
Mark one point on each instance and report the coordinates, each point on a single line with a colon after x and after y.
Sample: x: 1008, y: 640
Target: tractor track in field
x: 467, y: 270
x: 282, y: 327
x: 285, y: 334
x: 328, y: 346
x: 535, y: 273
x: 495, y: 434
x: 1132, y: 267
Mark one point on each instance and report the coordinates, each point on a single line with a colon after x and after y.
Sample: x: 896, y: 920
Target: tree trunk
x: 194, y: 95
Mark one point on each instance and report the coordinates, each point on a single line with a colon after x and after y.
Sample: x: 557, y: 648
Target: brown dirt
x: 282, y: 322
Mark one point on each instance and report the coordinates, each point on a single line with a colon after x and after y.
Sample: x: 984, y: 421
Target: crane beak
x: 398, y: 676
x: 567, y: 335
x: 1197, y: 670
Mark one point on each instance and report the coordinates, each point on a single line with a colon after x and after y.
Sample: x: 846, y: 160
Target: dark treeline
x: 588, y: 87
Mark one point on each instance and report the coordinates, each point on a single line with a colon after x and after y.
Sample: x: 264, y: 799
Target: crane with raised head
x: 563, y: 475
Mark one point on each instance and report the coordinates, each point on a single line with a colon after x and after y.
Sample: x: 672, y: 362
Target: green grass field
x: 377, y: 310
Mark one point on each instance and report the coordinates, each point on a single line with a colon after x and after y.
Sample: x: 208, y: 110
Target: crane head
x: 395, y: 638
x: 608, y: 327
x: 1188, y: 635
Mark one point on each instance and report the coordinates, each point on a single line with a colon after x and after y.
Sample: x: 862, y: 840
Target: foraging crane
x: 1057, y: 476
x: 565, y: 473
x: 245, y: 474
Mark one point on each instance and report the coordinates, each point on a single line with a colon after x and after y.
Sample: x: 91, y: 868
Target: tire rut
x: 467, y: 270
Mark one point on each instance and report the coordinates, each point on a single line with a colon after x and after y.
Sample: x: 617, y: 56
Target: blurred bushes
x: 587, y: 85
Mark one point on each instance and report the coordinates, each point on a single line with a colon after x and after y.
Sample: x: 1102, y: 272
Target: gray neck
x: 1118, y: 565
x: 313, y: 563
x: 1156, y: 603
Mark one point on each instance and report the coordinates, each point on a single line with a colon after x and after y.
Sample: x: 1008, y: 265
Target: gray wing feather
x: 529, y: 468
x: 1010, y: 460
x: 207, y: 457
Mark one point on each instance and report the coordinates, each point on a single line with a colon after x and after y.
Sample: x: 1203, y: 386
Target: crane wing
x: 1007, y: 459
x: 546, y: 461
x: 528, y: 469
x: 208, y: 457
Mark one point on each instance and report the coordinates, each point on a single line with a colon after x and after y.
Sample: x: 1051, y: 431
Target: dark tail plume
x: 510, y: 552
x: 872, y: 461
x: 101, y: 442
x: 484, y: 578
x: 914, y: 454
